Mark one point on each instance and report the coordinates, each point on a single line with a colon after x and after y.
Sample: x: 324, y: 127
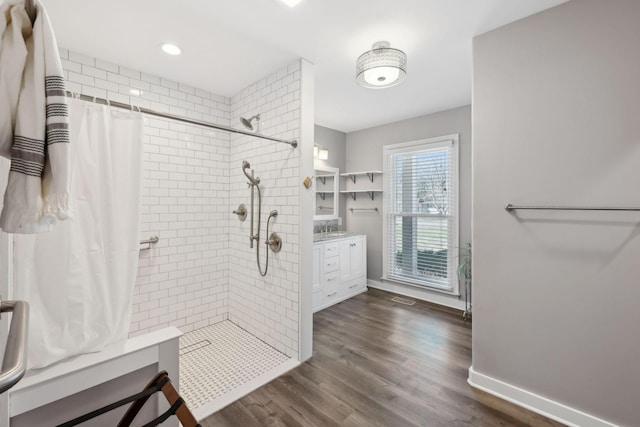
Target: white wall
x: 268, y: 307
x: 183, y: 280
x: 364, y: 152
x: 555, y: 122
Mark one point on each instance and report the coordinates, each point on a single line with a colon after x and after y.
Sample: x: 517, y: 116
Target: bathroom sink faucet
x: 328, y: 226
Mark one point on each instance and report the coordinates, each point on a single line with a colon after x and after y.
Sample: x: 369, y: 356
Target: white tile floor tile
x: 219, y: 358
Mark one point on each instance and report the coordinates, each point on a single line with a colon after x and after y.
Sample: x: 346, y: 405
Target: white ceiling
x: 229, y: 44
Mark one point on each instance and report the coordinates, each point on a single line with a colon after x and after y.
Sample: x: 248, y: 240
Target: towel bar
x: 150, y: 241
x: 509, y: 208
x: 363, y: 209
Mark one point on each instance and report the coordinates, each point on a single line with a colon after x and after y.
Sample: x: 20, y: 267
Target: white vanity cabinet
x: 339, y: 270
x: 317, y: 276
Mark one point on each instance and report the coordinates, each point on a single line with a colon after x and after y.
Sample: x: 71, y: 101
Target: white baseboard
x: 533, y: 402
x: 421, y: 294
x: 217, y: 404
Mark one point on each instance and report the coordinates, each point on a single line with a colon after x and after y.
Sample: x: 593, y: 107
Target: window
x: 421, y: 213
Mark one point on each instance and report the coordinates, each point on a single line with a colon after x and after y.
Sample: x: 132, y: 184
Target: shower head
x: 273, y: 214
x: 247, y: 122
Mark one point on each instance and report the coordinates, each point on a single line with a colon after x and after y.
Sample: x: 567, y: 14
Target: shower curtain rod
x: 150, y: 112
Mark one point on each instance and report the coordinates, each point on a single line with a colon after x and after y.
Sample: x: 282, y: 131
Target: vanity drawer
x: 330, y: 297
x: 331, y: 281
x: 349, y: 288
x: 331, y: 264
x: 331, y: 249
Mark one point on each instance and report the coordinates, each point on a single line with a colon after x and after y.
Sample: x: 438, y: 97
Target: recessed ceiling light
x: 290, y: 3
x: 171, y: 49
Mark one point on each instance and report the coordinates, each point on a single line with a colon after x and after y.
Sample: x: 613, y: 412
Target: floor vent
x: 403, y: 301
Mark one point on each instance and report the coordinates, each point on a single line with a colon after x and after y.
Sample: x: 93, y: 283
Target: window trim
x: 451, y: 140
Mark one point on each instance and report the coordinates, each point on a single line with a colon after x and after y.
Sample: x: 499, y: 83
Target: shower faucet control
x: 241, y: 212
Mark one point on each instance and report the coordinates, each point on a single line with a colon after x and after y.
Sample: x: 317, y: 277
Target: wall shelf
x: 353, y: 175
x: 323, y: 178
x: 354, y: 193
x: 323, y: 194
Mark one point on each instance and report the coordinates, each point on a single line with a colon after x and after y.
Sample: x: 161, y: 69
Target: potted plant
x: 464, y: 276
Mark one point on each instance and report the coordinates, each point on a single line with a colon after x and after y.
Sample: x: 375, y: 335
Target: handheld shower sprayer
x: 273, y: 241
x: 252, y: 181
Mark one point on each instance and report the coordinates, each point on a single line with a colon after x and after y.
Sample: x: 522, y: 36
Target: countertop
x: 333, y: 235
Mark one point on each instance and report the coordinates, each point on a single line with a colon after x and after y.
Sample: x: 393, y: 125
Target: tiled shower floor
x: 219, y: 358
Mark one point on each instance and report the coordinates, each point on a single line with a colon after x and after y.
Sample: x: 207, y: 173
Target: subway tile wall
x: 202, y: 271
x: 183, y: 280
x: 268, y: 306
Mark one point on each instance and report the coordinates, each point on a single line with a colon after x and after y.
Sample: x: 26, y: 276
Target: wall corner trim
x: 534, y: 402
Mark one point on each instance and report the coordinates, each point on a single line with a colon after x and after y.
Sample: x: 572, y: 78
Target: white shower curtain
x: 79, y: 278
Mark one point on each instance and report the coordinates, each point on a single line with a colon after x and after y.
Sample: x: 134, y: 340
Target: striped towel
x: 37, y: 194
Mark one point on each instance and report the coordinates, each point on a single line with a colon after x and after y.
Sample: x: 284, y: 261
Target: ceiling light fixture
x: 381, y: 67
x: 171, y: 49
x: 290, y: 3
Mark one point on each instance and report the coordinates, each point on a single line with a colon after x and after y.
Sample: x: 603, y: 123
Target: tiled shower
x: 202, y: 271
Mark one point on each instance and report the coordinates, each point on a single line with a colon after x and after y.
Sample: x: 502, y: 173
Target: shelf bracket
x: 370, y: 175
x: 322, y: 195
x: 353, y: 195
x: 353, y: 178
x: 323, y: 179
x: 370, y: 194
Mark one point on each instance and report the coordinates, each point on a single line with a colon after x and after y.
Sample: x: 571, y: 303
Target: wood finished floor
x: 379, y: 363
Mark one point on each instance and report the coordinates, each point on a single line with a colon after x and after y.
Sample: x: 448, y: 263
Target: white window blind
x: 421, y: 213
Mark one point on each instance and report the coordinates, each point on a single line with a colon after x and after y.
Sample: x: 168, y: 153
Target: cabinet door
x: 358, y: 257
x: 353, y: 253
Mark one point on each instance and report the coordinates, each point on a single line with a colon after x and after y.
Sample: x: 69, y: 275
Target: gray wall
x: 364, y: 152
x: 336, y: 142
x: 556, y: 98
